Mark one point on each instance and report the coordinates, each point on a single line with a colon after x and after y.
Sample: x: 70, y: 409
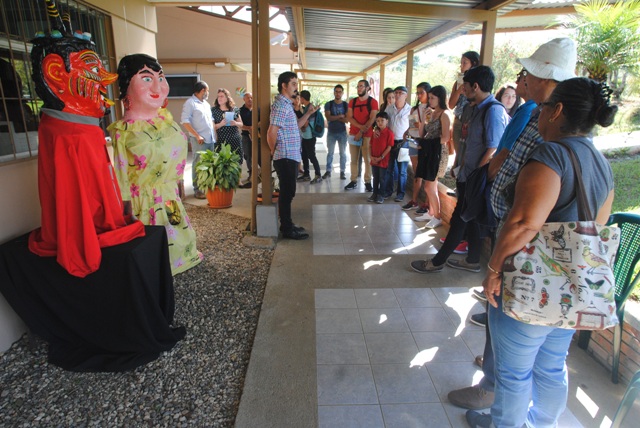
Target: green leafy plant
x: 220, y: 168
x: 608, y: 39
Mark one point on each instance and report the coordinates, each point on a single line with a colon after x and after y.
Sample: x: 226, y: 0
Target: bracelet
x: 493, y: 270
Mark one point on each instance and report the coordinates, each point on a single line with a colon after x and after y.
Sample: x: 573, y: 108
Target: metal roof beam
x: 301, y: 39
x: 330, y: 73
x: 489, y: 8
x: 328, y: 82
x: 341, y: 51
x: 567, y: 10
x: 391, y: 8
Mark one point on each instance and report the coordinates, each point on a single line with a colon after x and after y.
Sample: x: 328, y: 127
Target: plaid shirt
x: 288, y: 139
x: 518, y: 156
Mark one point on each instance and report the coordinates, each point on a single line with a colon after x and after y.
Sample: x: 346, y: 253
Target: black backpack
x: 368, y: 105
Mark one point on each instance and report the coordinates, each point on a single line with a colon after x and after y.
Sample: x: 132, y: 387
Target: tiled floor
x: 388, y: 357
x: 369, y: 229
x: 388, y: 344
x: 376, y: 356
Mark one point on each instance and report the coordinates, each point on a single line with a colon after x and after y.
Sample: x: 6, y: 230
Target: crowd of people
x: 511, y: 177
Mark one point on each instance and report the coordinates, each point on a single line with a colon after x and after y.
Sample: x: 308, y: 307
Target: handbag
x: 403, y: 155
x: 564, y: 276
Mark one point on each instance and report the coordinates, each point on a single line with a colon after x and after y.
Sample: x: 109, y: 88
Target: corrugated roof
x: 335, y: 39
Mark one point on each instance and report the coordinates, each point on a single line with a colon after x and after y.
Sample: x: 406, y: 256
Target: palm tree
x: 608, y: 39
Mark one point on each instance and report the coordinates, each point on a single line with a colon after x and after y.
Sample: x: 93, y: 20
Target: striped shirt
x: 288, y: 139
x: 518, y: 156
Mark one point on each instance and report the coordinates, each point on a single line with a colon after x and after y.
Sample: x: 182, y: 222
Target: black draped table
x: 115, y: 319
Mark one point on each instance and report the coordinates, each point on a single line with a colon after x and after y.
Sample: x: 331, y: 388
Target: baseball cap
x: 401, y: 88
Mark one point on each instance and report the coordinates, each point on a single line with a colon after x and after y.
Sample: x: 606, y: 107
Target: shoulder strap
x: 584, y: 212
x: 368, y: 105
x: 484, y: 115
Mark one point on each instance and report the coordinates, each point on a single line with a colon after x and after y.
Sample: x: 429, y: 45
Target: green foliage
x: 608, y: 39
x: 221, y: 168
x: 626, y: 176
x: 504, y: 65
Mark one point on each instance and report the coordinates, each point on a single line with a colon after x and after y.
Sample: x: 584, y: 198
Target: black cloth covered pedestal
x: 114, y: 319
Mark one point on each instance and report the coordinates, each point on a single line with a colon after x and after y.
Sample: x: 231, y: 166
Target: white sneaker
x: 433, y: 223
x: 424, y: 217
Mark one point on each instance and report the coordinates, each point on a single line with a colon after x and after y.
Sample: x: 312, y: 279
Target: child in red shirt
x: 381, y: 144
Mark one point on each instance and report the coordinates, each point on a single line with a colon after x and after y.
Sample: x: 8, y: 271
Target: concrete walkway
x: 350, y: 336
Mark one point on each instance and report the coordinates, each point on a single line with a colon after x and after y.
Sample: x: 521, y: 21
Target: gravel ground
x: 198, y: 383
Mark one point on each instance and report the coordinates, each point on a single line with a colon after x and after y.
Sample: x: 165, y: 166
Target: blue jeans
x: 341, y: 139
x: 377, y: 174
x: 195, y: 148
x: 396, y: 171
x: 530, y: 361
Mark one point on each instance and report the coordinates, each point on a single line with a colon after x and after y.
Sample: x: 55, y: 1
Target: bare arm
x: 537, y: 191
x: 456, y: 91
x: 238, y: 123
x: 193, y: 132
x: 369, y: 124
x: 332, y: 118
x: 486, y: 157
x: 496, y: 163
x: 445, y: 123
x: 302, y: 120
x: 350, y: 118
x: 272, y: 135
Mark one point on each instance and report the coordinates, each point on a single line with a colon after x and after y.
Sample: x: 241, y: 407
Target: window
x: 181, y: 85
x: 19, y: 103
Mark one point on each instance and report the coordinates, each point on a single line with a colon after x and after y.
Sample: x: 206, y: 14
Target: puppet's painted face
x: 83, y: 89
x: 147, y: 90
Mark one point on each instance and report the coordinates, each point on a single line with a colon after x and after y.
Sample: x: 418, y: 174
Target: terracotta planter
x: 219, y: 198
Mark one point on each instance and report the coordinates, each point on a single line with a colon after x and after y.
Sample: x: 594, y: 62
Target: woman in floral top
x: 150, y: 152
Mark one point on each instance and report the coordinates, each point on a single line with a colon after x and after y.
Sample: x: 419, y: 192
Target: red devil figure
x: 82, y: 210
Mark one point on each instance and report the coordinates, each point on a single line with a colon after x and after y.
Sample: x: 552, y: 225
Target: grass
x: 626, y: 176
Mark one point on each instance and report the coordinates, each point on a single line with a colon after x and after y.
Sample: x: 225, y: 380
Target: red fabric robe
x: 82, y: 210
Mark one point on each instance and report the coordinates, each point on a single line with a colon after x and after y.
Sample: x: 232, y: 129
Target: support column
x: 382, y: 70
x: 409, y: 75
x: 488, y: 40
x: 266, y: 214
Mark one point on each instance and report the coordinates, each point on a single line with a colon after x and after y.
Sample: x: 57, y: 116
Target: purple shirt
x: 288, y: 139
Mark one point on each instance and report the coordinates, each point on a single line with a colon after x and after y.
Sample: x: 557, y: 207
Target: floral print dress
x: 150, y: 157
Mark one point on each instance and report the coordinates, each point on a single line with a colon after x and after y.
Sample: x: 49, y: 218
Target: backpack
x: 368, y: 105
x: 318, y: 127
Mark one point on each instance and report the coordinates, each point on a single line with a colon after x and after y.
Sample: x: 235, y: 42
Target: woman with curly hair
x: 227, y: 122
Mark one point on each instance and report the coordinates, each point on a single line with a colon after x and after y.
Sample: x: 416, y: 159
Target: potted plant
x: 219, y: 173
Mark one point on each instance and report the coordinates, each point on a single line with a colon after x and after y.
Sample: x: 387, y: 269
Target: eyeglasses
x: 547, y: 104
x: 523, y: 73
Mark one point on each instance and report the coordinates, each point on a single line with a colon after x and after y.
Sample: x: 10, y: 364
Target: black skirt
x: 428, y: 158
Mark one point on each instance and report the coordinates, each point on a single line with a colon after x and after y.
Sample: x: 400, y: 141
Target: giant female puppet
x: 82, y: 210
x: 150, y: 152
